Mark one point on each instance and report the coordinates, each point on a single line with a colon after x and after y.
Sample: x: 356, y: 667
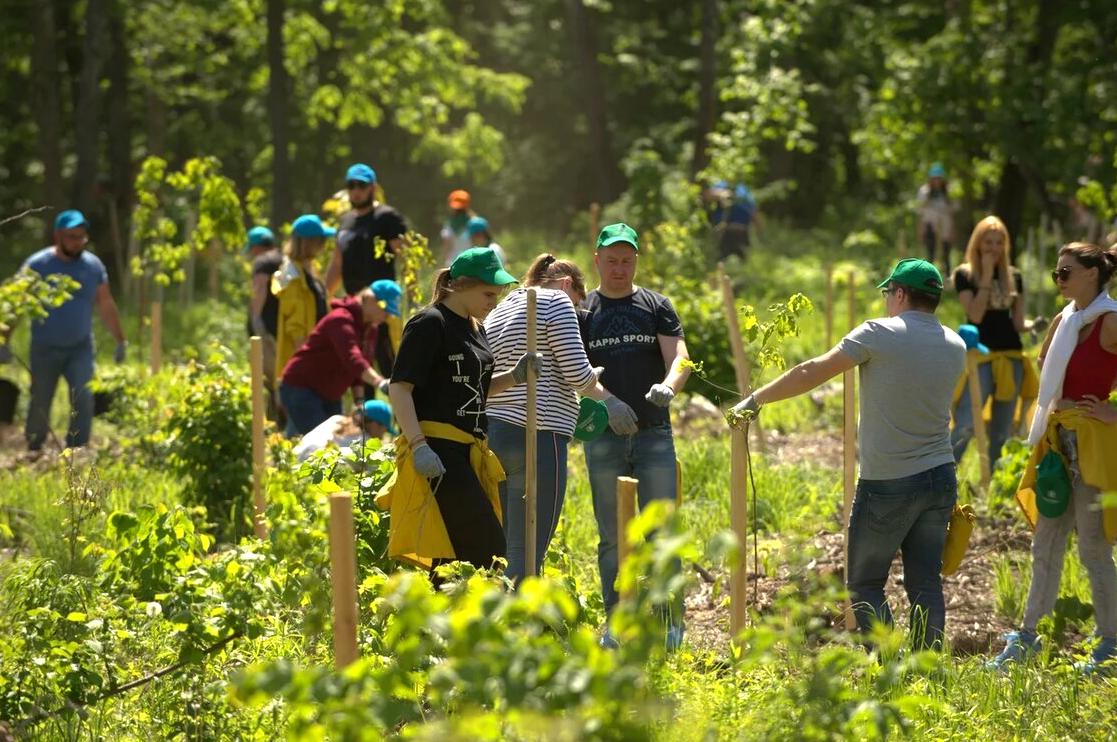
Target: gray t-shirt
x: 909, y: 366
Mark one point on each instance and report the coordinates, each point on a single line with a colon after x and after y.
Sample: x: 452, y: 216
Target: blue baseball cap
x: 259, y: 236
x: 936, y: 170
x: 972, y: 336
x: 309, y: 225
x: 378, y: 411
x: 388, y: 292
x: 477, y: 225
x: 360, y: 172
x: 70, y: 219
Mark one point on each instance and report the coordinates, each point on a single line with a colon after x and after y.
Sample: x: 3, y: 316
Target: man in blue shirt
x: 62, y: 343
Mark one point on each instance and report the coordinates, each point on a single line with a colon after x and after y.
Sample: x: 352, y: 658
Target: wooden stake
x: 256, y: 361
x: 626, y: 511
x: 595, y: 221
x: 849, y: 473
x: 829, y: 306
x: 852, y: 303
x: 530, y: 483
x: 740, y: 362
x: 343, y: 576
x: 977, y: 410
x: 156, y: 336
x: 739, y: 521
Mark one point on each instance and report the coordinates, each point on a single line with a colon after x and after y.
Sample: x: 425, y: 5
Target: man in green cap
x: 636, y: 336
x: 909, y: 365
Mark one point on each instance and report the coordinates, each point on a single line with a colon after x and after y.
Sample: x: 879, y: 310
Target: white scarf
x: 1058, y: 356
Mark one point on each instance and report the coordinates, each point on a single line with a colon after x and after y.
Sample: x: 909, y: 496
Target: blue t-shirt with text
x: 71, y: 323
x: 622, y: 335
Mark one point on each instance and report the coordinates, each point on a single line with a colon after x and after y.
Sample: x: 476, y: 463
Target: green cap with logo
x: 482, y: 263
x: 593, y: 418
x: 915, y: 273
x: 619, y: 232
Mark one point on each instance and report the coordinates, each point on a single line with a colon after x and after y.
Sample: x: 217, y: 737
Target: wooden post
x: 852, y: 303
x: 343, y: 576
x: 530, y: 475
x: 256, y: 361
x: 626, y: 511
x: 829, y: 306
x: 849, y: 452
x: 738, y: 467
x: 595, y: 221
x: 981, y: 440
x: 156, y: 336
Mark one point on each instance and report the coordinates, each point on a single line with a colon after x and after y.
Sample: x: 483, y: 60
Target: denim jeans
x: 48, y: 363
x: 1000, y: 426
x: 509, y: 443
x: 649, y: 456
x: 909, y: 514
x: 306, y: 410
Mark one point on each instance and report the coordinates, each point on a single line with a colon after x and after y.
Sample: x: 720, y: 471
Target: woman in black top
x: 441, y: 379
x: 992, y: 294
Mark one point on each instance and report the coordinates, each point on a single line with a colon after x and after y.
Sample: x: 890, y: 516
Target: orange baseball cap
x: 459, y: 199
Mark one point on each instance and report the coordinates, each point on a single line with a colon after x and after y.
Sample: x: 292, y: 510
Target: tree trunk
x: 47, y: 106
x: 1011, y: 193
x: 87, y: 124
x: 607, y: 181
x: 707, y: 91
x: 281, y: 204
x: 120, y: 140
x: 327, y: 178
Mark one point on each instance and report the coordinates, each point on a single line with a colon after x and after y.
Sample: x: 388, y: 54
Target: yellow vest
x: 416, y: 533
x: 1003, y: 381
x: 297, y: 313
x: 1097, y: 460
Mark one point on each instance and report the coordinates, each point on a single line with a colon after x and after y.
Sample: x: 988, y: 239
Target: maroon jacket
x: 333, y: 357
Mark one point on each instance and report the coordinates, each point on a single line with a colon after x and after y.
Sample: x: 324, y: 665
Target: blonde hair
x: 547, y: 267
x: 973, y: 254
x: 303, y: 250
x: 445, y: 284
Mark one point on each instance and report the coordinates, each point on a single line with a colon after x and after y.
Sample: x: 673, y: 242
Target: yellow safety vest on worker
x: 416, y: 534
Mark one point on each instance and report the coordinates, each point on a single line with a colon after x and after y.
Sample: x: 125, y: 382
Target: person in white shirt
x: 345, y: 430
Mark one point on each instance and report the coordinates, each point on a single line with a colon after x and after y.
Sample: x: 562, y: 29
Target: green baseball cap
x: 619, y: 232
x: 917, y: 274
x: 593, y: 418
x: 482, y: 263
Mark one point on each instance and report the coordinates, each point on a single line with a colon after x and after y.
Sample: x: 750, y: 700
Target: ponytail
x: 1090, y: 255
x: 546, y: 267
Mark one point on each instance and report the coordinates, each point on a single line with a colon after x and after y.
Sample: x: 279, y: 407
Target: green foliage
x: 1006, y: 476
x: 27, y: 295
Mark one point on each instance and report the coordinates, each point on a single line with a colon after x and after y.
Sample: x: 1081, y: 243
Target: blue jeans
x: 1000, y: 426
x: 48, y: 363
x: 649, y: 456
x: 306, y: 410
x: 508, y: 442
x: 909, y: 514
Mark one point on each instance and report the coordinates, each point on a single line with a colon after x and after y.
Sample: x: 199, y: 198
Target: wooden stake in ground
x: 156, y: 336
x: 739, y: 472
x: 595, y: 221
x: 849, y: 451
x: 981, y: 440
x: 256, y: 361
x: 829, y: 306
x: 343, y: 576
x: 530, y: 483
x: 626, y: 511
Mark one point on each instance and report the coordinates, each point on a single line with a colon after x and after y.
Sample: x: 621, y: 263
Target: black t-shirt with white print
x: 621, y: 335
x: 996, y: 329
x: 451, y: 366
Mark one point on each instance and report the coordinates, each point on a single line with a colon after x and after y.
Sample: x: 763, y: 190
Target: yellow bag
x: 957, y: 537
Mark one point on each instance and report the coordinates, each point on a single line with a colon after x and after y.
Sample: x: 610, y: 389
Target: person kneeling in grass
x: 371, y: 420
x: 444, y: 496
x: 909, y: 365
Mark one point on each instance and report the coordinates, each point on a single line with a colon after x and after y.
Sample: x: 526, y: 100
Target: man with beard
x: 357, y: 260
x: 62, y: 342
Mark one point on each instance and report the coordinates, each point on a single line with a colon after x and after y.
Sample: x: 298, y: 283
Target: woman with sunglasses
x: 1075, y: 419
x: 992, y: 294
x: 444, y: 495
x: 566, y: 371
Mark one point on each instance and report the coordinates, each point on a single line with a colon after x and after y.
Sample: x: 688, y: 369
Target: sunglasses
x: 356, y: 185
x: 1061, y: 274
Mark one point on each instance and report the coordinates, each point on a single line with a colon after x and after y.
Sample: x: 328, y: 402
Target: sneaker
x: 674, y: 638
x: 1020, y: 646
x: 608, y: 641
x: 1102, y: 659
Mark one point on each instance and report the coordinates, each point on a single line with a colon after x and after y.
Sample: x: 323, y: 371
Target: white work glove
x: 744, y: 411
x: 660, y: 395
x: 527, y: 360
x: 621, y: 417
x: 427, y: 462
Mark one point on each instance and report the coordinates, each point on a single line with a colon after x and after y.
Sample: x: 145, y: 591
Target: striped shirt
x: 564, y: 368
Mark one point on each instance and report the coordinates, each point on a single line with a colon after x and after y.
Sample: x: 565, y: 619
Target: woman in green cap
x: 442, y: 377
x: 566, y: 372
